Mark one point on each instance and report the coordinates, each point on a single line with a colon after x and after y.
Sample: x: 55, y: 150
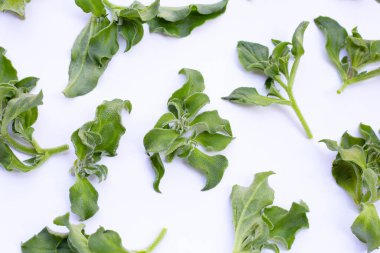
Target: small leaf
x: 181, y: 21
x: 106, y: 241
x: 371, y: 182
x: 158, y: 140
x: 7, y: 71
x: 45, y: 241
x: 132, y: 32
x: 194, y: 84
x: 195, y: 102
x: 96, y: 7
x: 250, y: 96
x: 368, y: 134
x: 354, y: 154
x: 253, y: 56
x: 287, y: 223
x: 366, y: 227
x: 213, y: 142
x: 159, y: 170
x: 27, y: 84
x: 15, y: 6
x: 347, y: 141
x: 211, y: 122
x: 297, y: 41
x: 84, y: 199
x: 332, y: 145
x: 140, y: 12
x: 212, y: 166
x: 104, y: 45
x: 165, y: 120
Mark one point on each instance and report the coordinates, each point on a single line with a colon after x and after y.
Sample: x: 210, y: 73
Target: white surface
x: 267, y: 138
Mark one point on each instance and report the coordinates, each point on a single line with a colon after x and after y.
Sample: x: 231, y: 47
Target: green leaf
x: 250, y: 96
x: 347, y: 141
x: 212, y: 166
x: 84, y: 199
x: 7, y: 71
x: 251, y: 232
x: 366, y: 227
x: 181, y: 21
x: 159, y: 170
x: 132, y: 32
x: 194, y: 84
x: 371, y: 182
x: 27, y: 84
x: 287, y: 223
x: 83, y: 72
x: 297, y: 41
x: 165, y: 120
x: 211, y: 122
x: 195, y: 102
x: 104, y: 45
x: 335, y: 39
x: 96, y: 7
x: 158, y: 140
x: 368, y: 134
x: 45, y: 241
x: 348, y: 176
x: 253, y: 56
x: 355, y: 154
x: 332, y: 145
x: 140, y: 12
x: 15, y: 6
x: 106, y: 241
x: 213, y: 142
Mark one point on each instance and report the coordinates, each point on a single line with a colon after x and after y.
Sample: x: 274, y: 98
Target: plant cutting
x: 276, y: 68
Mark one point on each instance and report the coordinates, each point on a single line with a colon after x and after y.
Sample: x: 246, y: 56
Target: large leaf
x: 212, y: 166
x: 84, y: 199
x: 247, y: 205
x: 83, y: 72
x: 366, y: 227
x: 180, y: 21
x: 335, y: 39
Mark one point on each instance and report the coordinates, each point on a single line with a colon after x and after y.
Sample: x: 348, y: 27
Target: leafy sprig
x: 18, y: 113
x: 259, y: 225
x: 359, y: 52
x: 356, y: 169
x: 183, y: 128
x: 17, y: 7
x: 255, y: 58
x: 92, y: 141
x: 98, y: 41
x: 77, y: 241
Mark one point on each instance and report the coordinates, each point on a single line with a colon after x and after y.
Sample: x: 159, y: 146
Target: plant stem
x: 359, y: 78
x: 157, y: 241
x: 299, y: 115
x: 293, y: 72
x: 56, y: 150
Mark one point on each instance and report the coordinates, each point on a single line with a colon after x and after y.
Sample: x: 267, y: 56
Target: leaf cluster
x: 356, y: 169
x: 77, y: 241
x: 359, y: 52
x: 98, y: 41
x: 18, y: 113
x: 15, y: 6
x: 92, y: 141
x: 258, y: 224
x: 179, y: 132
x: 255, y: 58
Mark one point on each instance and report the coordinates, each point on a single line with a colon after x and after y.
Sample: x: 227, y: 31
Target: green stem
x: 18, y: 146
x: 56, y: 150
x: 293, y: 72
x: 299, y: 115
x: 359, y: 78
x: 157, y: 241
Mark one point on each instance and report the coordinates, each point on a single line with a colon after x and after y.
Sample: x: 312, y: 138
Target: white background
x: 268, y: 138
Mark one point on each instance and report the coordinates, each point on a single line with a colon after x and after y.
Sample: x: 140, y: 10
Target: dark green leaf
x: 27, y: 84
x: 250, y: 96
x: 45, y: 241
x: 83, y: 198
x: 212, y: 166
x: 159, y: 170
x: 180, y: 21
x: 104, y: 45
x: 368, y: 134
x: 140, y: 12
x: 132, y: 32
x: 366, y: 227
